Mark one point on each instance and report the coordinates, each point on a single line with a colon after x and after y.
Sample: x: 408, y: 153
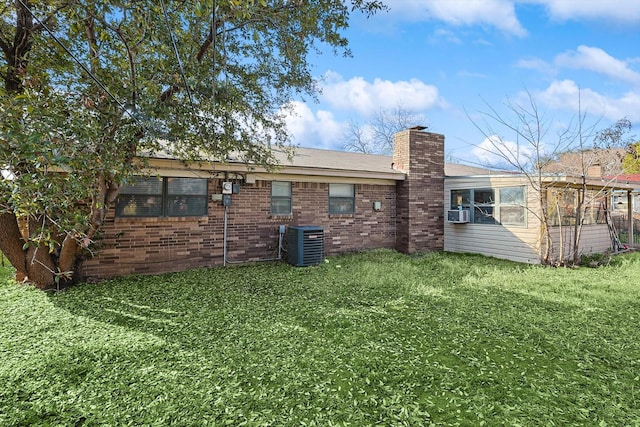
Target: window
x: 186, y: 197
x: 483, y: 206
x: 152, y: 197
x: 508, y: 208
x: 141, y: 198
x: 595, y: 206
x: 563, y: 202
x: 512, y: 206
x: 280, y: 198
x: 341, y: 198
x: 562, y: 206
x: 461, y: 199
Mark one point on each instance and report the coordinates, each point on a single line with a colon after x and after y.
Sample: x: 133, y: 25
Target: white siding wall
x: 593, y: 239
x: 517, y: 243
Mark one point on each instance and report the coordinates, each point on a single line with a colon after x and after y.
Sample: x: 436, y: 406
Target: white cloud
x: 599, y: 61
x: 495, y: 151
x: 321, y: 128
x: 501, y: 14
x: 446, y: 35
x: 495, y: 13
x: 309, y: 129
x: 537, y: 64
x: 626, y: 11
x: 567, y: 95
x: 367, y: 97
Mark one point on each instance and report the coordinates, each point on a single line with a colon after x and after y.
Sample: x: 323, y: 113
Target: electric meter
x: 227, y: 187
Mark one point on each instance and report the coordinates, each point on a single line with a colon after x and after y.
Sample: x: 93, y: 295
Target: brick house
x: 214, y: 214
x: 177, y: 219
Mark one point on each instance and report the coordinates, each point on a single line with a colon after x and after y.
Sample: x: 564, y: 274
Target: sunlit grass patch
x: 377, y: 338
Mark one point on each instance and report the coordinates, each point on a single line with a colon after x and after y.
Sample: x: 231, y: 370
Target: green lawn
x: 377, y: 338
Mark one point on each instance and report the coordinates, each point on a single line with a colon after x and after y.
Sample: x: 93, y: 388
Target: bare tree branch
x: 376, y: 134
x: 530, y: 151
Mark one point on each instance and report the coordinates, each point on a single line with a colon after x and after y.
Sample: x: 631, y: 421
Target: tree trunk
x: 580, y: 213
x: 11, y: 242
x: 33, y: 264
x: 40, y: 267
x: 68, y: 257
x: 547, y: 246
x: 560, y: 232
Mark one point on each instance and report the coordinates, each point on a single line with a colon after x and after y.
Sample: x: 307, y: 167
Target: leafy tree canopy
x: 631, y: 161
x: 89, y: 86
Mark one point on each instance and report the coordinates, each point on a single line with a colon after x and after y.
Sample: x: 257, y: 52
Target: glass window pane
x: 484, y: 197
x: 281, y: 189
x: 281, y: 206
x: 512, y: 215
x: 460, y: 198
x: 562, y: 206
x: 186, y: 206
x: 483, y: 201
x: 512, y: 196
x: 595, y: 203
x: 512, y: 206
x: 280, y: 198
x: 187, y: 186
x: 341, y: 190
x: 143, y: 185
x: 341, y: 205
x: 138, y: 205
x: 483, y: 215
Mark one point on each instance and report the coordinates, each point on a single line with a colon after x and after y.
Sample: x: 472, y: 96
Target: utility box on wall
x: 305, y: 245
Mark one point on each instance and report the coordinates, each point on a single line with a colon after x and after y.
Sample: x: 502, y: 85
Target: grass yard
x: 377, y: 338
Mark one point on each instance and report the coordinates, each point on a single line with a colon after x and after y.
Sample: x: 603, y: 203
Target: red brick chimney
x: 420, y: 197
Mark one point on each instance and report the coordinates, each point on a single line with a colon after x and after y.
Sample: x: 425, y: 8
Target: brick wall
x: 420, y: 197
x: 411, y: 219
x: 156, y: 245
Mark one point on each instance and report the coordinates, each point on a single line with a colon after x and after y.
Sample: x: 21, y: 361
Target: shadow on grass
x: 369, y: 338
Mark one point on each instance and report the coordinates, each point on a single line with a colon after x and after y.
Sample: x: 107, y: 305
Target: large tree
x: 90, y: 87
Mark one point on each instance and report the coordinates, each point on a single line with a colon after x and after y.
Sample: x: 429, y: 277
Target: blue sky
x: 446, y: 59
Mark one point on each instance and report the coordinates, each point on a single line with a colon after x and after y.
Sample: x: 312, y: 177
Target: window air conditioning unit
x: 305, y: 245
x: 458, y: 216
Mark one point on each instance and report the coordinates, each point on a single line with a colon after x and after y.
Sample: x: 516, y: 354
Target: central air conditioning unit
x: 305, y: 245
x: 458, y: 216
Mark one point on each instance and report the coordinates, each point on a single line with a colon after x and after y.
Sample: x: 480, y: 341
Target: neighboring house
x: 620, y: 201
x: 626, y: 206
x: 608, y: 161
x: 219, y: 213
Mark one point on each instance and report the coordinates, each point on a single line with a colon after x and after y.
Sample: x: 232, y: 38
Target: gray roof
x: 346, y: 160
x: 320, y: 159
x: 457, y: 169
x: 341, y: 160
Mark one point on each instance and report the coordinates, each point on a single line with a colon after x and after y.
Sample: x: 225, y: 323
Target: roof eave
x: 163, y: 163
